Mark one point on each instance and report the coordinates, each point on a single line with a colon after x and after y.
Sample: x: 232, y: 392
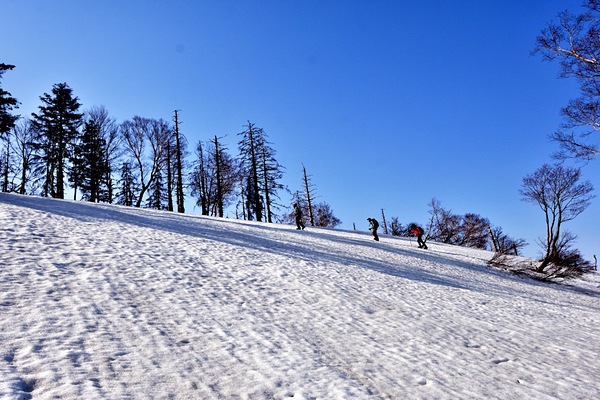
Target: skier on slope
x: 418, y: 232
x: 298, y: 215
x: 373, y: 227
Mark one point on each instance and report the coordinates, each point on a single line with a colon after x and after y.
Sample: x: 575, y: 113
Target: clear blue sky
x: 387, y: 103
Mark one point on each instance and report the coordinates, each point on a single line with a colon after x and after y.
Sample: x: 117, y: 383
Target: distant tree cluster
x: 250, y: 180
x: 141, y: 162
x: 135, y: 163
x: 468, y: 230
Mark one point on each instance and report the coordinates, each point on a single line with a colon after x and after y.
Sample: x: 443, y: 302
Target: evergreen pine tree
x: 157, y: 195
x: 5, y: 166
x: 7, y: 103
x: 91, y: 163
x: 109, y: 132
x: 128, y: 185
x: 56, y: 125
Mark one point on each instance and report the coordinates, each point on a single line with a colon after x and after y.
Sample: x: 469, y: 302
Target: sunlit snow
x: 107, y: 302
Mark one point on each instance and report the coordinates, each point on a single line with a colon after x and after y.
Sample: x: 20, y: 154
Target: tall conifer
x: 7, y: 103
x: 57, y: 127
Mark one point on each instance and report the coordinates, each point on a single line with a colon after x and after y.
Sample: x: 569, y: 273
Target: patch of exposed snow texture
x: 100, y: 301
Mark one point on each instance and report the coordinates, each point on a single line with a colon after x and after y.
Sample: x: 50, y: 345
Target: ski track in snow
x: 99, y: 301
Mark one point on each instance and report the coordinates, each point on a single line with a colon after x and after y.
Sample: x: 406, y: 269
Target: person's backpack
x: 416, y: 230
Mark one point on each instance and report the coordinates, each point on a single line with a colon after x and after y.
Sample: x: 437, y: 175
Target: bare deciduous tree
x: 443, y: 225
x: 575, y: 42
x: 139, y: 134
x: 504, y: 244
x: 325, y: 217
x: 557, y: 191
x: 474, y: 231
x: 23, y: 135
x: 214, y: 178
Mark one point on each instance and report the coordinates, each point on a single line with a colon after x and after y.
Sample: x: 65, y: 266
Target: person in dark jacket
x: 298, y: 215
x: 373, y: 227
x: 418, y: 232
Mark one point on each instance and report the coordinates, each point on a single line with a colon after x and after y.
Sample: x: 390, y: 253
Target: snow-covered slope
x: 99, y: 301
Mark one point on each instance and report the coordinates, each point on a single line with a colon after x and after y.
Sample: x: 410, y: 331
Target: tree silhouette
x: 57, y: 126
x: 557, y: 191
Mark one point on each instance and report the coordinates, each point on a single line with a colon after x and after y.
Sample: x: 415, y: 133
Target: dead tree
x: 385, y: 229
x: 179, y: 166
x: 309, y: 190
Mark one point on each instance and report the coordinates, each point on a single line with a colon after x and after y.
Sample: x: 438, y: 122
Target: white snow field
x: 108, y: 302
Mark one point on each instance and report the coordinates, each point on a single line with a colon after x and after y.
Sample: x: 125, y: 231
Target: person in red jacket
x: 418, y: 232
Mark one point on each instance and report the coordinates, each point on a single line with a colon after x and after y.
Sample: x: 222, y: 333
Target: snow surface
x: 100, y: 301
